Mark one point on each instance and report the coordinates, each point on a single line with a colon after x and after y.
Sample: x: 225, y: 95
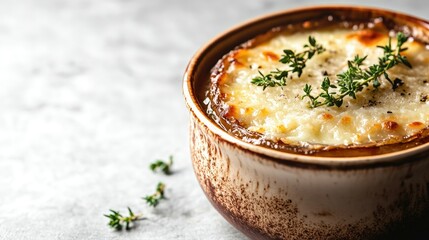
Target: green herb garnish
x: 160, y: 165
x: 153, y: 200
x: 117, y: 220
x: 296, y: 62
x: 355, y: 78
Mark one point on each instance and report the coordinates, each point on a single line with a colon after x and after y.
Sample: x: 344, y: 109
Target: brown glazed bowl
x: 268, y: 194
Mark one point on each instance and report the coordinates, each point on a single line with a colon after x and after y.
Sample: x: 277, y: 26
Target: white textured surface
x: 90, y: 94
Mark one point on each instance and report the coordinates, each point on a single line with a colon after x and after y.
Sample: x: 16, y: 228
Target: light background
x: 90, y: 94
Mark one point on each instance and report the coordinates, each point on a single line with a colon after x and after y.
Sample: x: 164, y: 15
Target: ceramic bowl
x: 268, y: 194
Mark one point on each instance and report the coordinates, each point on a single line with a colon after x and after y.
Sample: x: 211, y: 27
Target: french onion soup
x: 332, y: 89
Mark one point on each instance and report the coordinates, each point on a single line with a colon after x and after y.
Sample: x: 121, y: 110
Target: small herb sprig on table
x: 153, y: 200
x: 160, y: 165
x: 117, y: 220
x: 355, y: 78
x: 296, y: 62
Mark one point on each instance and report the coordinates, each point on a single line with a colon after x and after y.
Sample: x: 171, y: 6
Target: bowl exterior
x: 269, y: 199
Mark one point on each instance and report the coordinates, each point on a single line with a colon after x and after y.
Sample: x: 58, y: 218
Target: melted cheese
x: 377, y: 116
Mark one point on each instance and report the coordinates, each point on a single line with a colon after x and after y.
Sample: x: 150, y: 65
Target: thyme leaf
x: 356, y: 78
x: 154, y: 199
x: 117, y: 220
x: 160, y: 165
x: 295, y: 61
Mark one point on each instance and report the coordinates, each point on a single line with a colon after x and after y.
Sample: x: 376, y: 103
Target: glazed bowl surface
x: 269, y: 194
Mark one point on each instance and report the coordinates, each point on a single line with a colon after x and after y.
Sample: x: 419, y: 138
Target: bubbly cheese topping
x: 377, y: 116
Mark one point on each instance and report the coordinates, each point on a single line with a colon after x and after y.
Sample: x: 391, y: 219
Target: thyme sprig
x: 160, y: 165
x: 117, y: 220
x: 295, y: 61
x: 355, y: 78
x: 153, y: 200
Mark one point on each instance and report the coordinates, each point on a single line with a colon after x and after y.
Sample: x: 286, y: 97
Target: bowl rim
x: 191, y: 100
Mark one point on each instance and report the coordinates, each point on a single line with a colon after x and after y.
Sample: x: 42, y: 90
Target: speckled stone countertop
x: 90, y: 94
